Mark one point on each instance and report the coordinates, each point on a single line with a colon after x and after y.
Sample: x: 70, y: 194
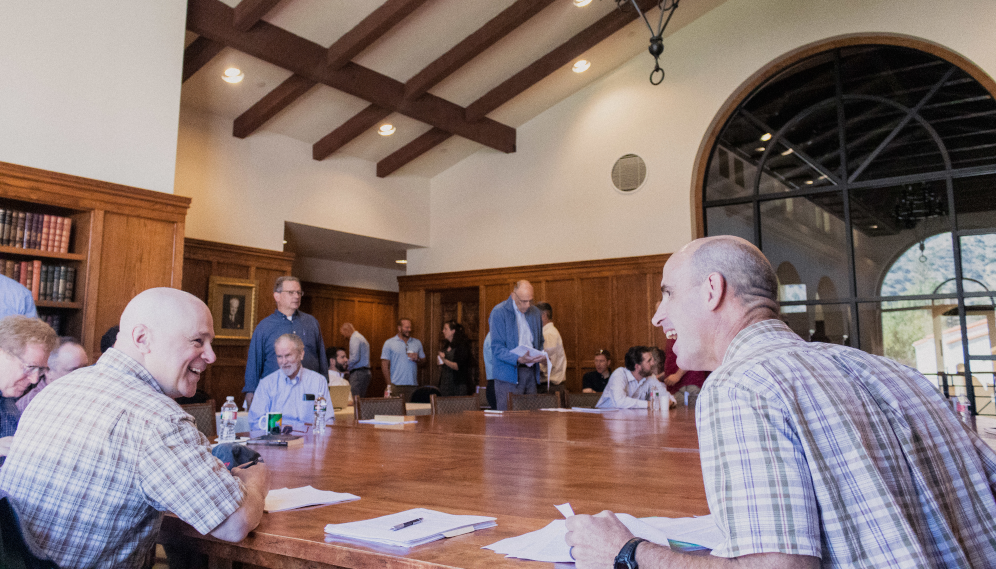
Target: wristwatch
x: 627, y: 555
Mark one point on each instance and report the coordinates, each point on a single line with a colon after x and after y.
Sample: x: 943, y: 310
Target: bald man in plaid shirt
x: 104, y: 451
x: 812, y: 454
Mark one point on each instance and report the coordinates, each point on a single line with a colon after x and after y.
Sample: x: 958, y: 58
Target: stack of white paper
x: 291, y: 498
x: 434, y: 525
x: 549, y: 545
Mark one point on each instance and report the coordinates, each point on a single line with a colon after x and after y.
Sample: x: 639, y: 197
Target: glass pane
x: 805, y: 241
x: 889, y: 226
x: 904, y: 75
x: 831, y: 323
x: 964, y: 115
x: 975, y: 202
x: 978, y: 263
x: 904, y: 331
x: 722, y: 181
x: 731, y: 220
x: 912, y: 151
x: 786, y: 170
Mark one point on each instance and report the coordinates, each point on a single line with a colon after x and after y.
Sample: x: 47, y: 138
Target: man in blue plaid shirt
x: 813, y: 454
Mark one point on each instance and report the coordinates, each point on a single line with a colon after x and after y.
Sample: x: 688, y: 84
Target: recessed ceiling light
x: 233, y: 75
x: 809, y: 182
x: 766, y: 137
x: 759, y: 149
x: 581, y: 66
x: 874, y: 227
x: 402, y: 261
x: 787, y: 152
x: 386, y: 130
x: 285, y: 241
x: 581, y: 3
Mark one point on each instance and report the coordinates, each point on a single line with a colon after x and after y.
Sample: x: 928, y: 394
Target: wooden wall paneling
x: 265, y: 279
x: 562, y: 295
x: 197, y: 277
x: 384, y: 325
x: 137, y: 255
x: 89, y: 239
x: 596, y: 322
x: 432, y: 338
x: 234, y: 271
x: 631, y: 313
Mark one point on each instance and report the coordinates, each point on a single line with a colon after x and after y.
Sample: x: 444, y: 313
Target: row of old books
x: 45, y: 281
x: 53, y: 320
x: 35, y: 231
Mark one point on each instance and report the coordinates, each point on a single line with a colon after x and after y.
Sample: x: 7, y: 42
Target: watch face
x: 625, y: 564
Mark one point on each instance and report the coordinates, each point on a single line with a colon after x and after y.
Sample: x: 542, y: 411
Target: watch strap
x: 627, y: 555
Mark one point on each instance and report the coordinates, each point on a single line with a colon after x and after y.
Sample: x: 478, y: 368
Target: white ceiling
x: 406, y: 49
x: 316, y: 242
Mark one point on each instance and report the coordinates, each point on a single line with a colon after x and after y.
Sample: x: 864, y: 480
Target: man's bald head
x: 744, y: 268
x: 169, y: 332
x: 523, y: 295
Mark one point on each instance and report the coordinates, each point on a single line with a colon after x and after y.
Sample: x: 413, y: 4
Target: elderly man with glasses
x: 24, y: 347
x: 287, y: 319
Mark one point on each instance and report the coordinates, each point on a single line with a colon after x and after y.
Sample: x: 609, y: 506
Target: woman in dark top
x: 454, y: 375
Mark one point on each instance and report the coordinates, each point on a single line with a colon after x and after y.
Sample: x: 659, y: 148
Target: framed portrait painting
x: 233, y: 307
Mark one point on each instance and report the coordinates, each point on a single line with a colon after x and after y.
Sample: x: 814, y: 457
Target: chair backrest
x: 450, y: 405
x: 17, y: 548
x: 339, y: 396
x: 203, y: 414
x: 366, y: 408
x: 586, y: 400
x: 529, y: 402
x: 423, y: 394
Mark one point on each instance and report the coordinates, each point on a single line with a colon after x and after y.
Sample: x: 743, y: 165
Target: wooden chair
x: 450, y: 405
x: 586, y: 400
x: 203, y: 414
x: 530, y: 402
x: 366, y: 408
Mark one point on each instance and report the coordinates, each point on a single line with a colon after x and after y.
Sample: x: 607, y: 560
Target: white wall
x: 552, y: 200
x: 243, y: 190
x: 346, y: 274
x: 92, y: 88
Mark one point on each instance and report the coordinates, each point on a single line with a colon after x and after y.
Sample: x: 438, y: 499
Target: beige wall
x: 552, y: 200
x: 243, y: 190
x: 92, y: 88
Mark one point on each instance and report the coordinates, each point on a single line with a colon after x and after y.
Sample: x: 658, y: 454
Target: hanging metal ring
x: 659, y: 81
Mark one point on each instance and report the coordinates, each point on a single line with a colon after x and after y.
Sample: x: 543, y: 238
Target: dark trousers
x: 359, y: 381
x: 525, y: 386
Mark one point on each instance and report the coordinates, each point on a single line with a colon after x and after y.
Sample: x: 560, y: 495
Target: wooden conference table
x: 514, y: 466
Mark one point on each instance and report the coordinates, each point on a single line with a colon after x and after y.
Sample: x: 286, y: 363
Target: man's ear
x: 714, y: 291
x: 141, y: 337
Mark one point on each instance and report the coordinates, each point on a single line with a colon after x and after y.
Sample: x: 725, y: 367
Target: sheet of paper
x: 432, y: 527
x: 548, y: 544
x: 531, y: 352
x: 700, y: 531
x: 376, y: 422
x: 291, y: 498
x: 565, y: 510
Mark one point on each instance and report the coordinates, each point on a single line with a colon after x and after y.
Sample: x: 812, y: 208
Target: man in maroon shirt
x: 679, y: 380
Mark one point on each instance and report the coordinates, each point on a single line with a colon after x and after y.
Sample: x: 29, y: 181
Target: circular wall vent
x: 629, y: 173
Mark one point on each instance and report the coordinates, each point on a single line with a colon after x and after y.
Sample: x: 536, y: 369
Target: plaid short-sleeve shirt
x: 97, y: 458
x: 823, y: 450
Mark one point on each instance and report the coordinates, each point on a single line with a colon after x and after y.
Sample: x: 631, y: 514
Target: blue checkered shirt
x: 97, y: 458
x: 823, y: 450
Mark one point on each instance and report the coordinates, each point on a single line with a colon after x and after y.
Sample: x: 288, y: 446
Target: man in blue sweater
x: 513, y: 323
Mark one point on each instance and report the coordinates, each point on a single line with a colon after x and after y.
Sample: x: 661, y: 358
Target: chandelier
x: 916, y: 204
x: 656, y: 37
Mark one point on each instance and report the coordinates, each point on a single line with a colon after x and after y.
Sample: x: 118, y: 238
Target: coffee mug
x: 272, y: 422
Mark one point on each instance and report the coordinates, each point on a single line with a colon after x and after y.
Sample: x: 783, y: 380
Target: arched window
x: 842, y: 162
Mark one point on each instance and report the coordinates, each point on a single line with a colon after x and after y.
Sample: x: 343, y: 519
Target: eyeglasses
x: 28, y: 370
x: 293, y: 292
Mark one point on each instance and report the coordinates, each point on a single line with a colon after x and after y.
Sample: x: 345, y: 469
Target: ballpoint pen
x: 406, y: 524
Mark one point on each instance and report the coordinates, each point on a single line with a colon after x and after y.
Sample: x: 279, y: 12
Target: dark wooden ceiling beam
x: 198, y: 54
x: 562, y: 55
x: 213, y: 19
x: 249, y: 12
x: 366, y: 119
x: 587, y: 38
x: 473, y: 45
x: 385, y: 17
x: 271, y: 104
x: 411, y: 151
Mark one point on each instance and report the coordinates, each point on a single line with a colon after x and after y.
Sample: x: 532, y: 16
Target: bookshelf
x: 122, y: 240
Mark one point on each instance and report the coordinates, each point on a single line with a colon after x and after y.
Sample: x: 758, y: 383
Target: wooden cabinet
x: 124, y: 240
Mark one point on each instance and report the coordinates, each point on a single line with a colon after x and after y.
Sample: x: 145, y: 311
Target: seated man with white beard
x: 287, y: 390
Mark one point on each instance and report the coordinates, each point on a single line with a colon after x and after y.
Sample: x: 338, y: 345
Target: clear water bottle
x: 321, y: 406
x: 229, y: 413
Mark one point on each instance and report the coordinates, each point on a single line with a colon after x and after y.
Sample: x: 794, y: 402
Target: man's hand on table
x: 256, y: 478
x: 596, y: 540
